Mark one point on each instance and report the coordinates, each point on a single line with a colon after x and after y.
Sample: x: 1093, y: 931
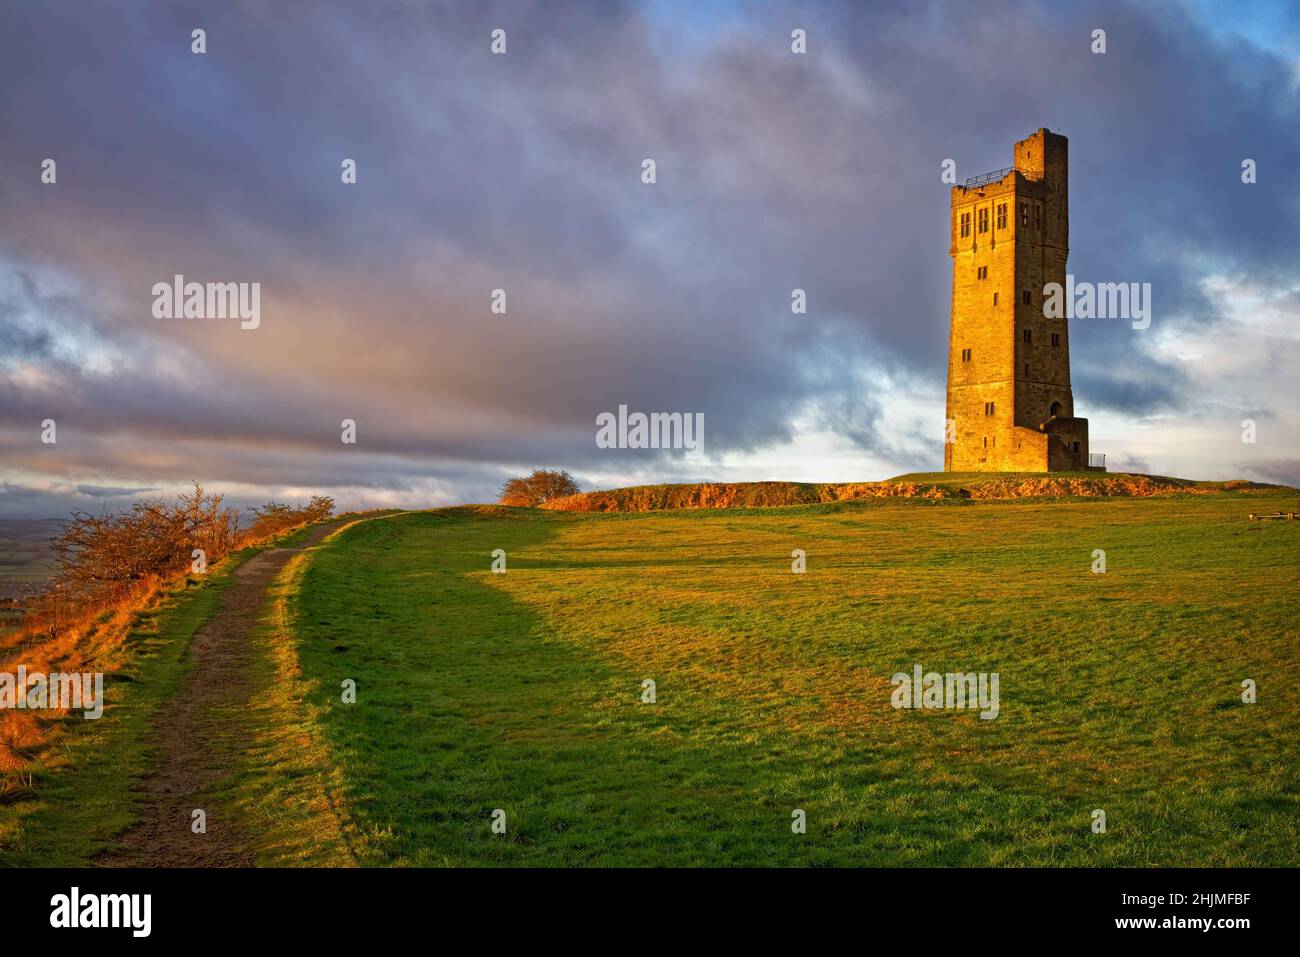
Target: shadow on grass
x: 467, y: 704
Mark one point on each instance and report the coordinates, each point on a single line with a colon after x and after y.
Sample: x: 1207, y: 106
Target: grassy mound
x: 653, y: 498
x: 926, y: 485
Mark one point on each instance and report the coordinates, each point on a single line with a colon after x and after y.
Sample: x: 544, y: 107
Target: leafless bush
x: 112, y: 567
x: 542, y: 486
x: 274, y: 518
x: 117, y: 560
x: 103, y: 557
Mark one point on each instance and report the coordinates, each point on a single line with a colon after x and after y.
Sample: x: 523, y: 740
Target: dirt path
x: 199, y: 730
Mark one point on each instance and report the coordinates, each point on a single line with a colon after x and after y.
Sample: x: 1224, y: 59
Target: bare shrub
x: 275, y: 518
x: 113, y: 566
x: 542, y: 486
x: 114, y: 561
x: 102, y: 557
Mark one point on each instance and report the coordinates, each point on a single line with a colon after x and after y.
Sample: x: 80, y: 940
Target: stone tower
x: 1010, y: 407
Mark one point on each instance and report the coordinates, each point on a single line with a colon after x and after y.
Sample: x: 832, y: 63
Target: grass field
x: 522, y: 691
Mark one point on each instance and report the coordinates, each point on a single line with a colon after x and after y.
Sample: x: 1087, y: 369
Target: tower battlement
x: 1010, y: 405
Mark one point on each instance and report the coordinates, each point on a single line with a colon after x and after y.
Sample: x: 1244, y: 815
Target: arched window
x: 1055, y: 410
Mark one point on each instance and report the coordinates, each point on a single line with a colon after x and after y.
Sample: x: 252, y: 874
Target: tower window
x: 984, y: 220
x: 1026, y: 297
x: 1026, y: 370
x: 1024, y: 214
x: 1038, y: 217
x: 965, y: 355
x: 990, y: 408
x: 1029, y: 335
x: 986, y: 441
x: 1002, y: 215
x: 1056, y: 338
x: 965, y: 224
x: 995, y: 299
x: 982, y: 272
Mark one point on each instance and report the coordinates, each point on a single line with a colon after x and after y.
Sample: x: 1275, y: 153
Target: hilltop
x: 922, y: 485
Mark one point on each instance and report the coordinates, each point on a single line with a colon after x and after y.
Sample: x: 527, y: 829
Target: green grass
x: 284, y: 790
x: 522, y: 691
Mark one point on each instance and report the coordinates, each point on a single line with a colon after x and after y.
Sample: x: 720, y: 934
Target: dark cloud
x: 1130, y: 384
x: 114, y: 491
x: 16, y: 342
x: 1278, y: 471
x: 476, y: 172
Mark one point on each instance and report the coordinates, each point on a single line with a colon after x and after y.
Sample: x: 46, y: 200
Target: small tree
x: 103, y: 557
x: 274, y: 517
x: 542, y: 486
x: 319, y: 508
x: 120, y: 559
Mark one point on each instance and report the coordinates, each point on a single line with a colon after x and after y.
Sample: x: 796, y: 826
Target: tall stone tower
x: 1010, y: 406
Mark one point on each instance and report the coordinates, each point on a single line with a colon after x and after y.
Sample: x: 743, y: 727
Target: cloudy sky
x: 522, y: 171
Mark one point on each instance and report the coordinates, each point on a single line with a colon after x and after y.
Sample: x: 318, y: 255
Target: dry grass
x: 1128, y: 486
x: 653, y: 498
x: 90, y: 640
x: 74, y: 630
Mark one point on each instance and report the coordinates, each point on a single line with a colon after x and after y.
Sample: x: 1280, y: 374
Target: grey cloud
x: 775, y: 172
x: 115, y: 491
x: 1278, y: 471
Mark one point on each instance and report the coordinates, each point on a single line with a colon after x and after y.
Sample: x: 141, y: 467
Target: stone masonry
x: 1010, y: 406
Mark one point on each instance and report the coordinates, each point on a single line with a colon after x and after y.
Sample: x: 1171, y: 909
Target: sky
x: 522, y: 171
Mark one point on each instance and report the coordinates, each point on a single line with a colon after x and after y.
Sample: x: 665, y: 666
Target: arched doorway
x: 1055, y: 410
